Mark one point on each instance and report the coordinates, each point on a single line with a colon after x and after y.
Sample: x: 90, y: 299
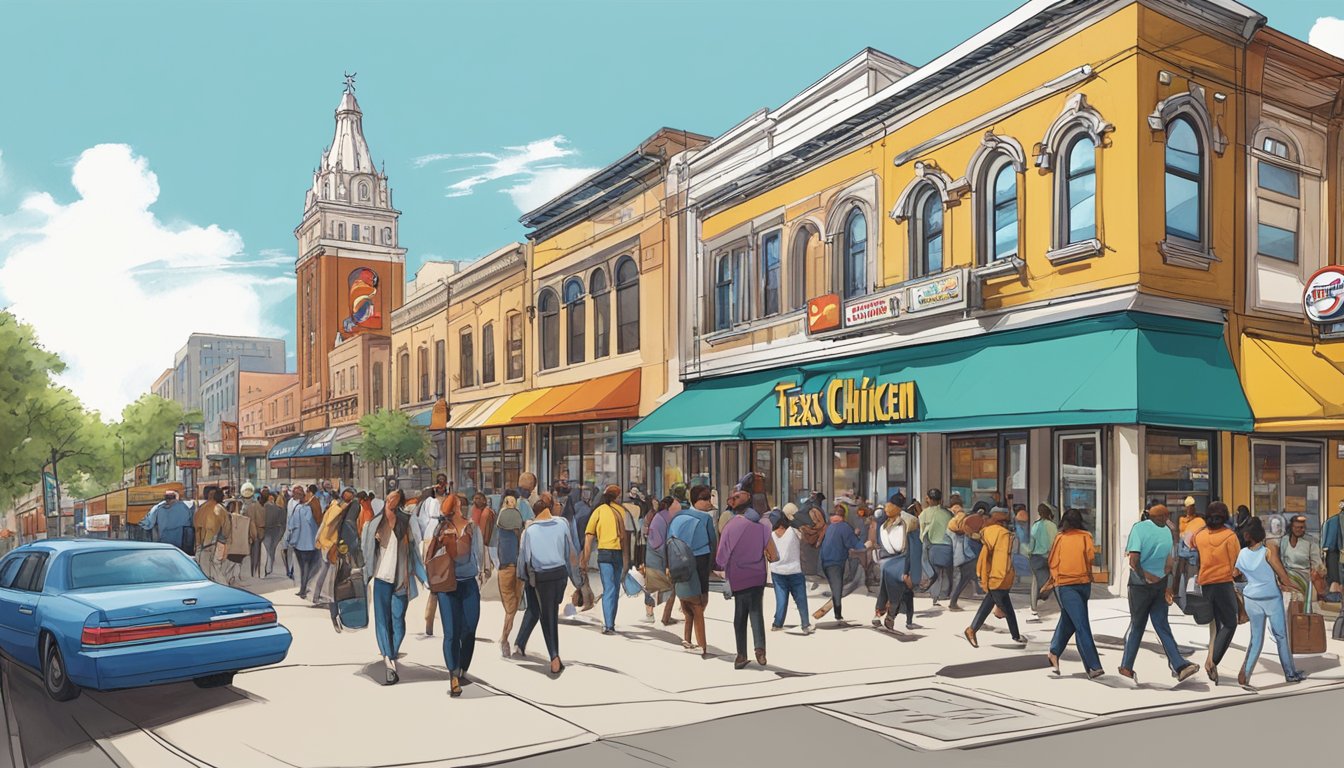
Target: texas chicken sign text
x: 845, y: 401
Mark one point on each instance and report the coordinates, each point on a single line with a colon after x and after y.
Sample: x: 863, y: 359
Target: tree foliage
x: 389, y: 436
x: 147, y: 426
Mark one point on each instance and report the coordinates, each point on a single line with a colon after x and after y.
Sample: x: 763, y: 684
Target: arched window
x: 1080, y: 190
x: 597, y: 288
x: 926, y: 233
x: 627, y: 306
x: 855, y: 254
x: 575, y: 321
x: 802, y: 245
x: 549, y: 307
x: 326, y: 189
x: 1184, y: 181
x: 1000, y: 210
x: 770, y: 258
x: 363, y: 190
x: 728, y: 288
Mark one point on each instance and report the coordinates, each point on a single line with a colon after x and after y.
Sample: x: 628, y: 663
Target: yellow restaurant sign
x: 846, y: 401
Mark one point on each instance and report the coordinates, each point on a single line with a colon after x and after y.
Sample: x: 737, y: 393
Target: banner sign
x: 845, y: 401
x: 872, y: 309
x: 228, y: 432
x: 187, y: 451
x: 945, y: 292
x: 48, y: 494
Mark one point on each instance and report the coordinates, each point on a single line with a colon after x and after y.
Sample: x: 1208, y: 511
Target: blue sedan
x: 89, y: 613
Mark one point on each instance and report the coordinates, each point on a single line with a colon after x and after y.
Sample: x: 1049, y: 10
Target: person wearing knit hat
x: 995, y: 568
x: 606, y: 532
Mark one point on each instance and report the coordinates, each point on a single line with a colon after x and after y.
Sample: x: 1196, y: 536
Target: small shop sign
x: 823, y: 313
x: 845, y: 401
x: 939, y: 294
x: 1323, y: 298
x: 187, y: 451
x: 872, y: 309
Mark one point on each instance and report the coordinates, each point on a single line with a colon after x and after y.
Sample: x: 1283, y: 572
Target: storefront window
x: 567, y: 455
x: 1286, y: 481
x: 898, y: 466
x: 1179, y: 464
x: 1079, y: 477
x: 701, y: 466
x: 674, y: 466
x: 797, y: 471
x: 637, y: 469
x: 730, y: 469
x: 763, y: 463
x: 975, y: 468
x: 847, y: 473
x: 468, y: 462
x: 602, y: 458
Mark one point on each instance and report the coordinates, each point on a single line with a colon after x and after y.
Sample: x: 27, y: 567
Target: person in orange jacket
x: 995, y: 569
x: 1070, y: 562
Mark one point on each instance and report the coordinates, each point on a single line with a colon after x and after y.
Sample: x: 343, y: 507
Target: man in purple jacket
x: 744, y: 549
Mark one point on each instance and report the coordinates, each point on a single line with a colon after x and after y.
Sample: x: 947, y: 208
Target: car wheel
x: 214, y: 681
x: 55, y: 676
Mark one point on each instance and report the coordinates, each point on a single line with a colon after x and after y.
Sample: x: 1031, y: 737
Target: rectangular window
x: 1286, y: 481
x: 515, y: 370
x: 440, y: 367
x: 763, y: 464
x: 848, y: 472
x: 602, y: 457
x: 1078, y: 472
x: 1179, y: 464
x: 354, y: 231
x: 1275, y: 242
x: 567, y: 455
x: 422, y: 358
x: 466, y: 373
x: 770, y: 269
x: 898, y: 466
x: 1277, y: 179
x: 488, y: 353
x: 975, y: 468
x: 468, y: 462
x: 797, y: 471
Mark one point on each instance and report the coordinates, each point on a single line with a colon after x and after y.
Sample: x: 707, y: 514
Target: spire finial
x: 350, y: 81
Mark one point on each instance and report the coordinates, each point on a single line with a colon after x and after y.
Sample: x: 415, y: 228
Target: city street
x: 638, y: 698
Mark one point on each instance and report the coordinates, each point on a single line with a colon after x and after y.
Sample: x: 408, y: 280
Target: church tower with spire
x: 351, y: 268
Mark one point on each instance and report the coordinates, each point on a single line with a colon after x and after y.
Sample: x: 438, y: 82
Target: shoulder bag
x: 440, y: 564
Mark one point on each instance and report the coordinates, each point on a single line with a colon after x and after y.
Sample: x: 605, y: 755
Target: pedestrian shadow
x: 994, y: 667
x: 408, y: 673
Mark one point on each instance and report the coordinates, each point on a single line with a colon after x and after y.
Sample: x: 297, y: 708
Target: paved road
x: 1253, y: 734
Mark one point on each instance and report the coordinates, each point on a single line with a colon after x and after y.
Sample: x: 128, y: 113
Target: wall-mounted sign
x: 187, y: 450
x: 845, y: 401
x: 228, y: 433
x: 823, y: 313
x: 872, y: 309
x: 97, y: 523
x: 1324, y: 296
x: 48, y: 494
x: 944, y: 292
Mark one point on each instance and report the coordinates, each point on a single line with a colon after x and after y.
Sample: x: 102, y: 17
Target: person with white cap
x: 254, y: 512
x: 1187, y: 556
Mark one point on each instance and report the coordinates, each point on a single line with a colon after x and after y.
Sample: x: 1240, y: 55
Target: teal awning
x: 286, y: 448
x: 1123, y: 368
x: 421, y: 418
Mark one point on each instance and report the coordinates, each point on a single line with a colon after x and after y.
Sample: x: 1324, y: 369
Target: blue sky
x: 221, y: 111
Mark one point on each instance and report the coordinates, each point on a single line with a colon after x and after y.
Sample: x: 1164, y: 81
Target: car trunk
x: 184, y: 604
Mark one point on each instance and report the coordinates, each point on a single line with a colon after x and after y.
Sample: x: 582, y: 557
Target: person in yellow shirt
x: 606, y: 529
x: 995, y: 569
x: 1070, y: 561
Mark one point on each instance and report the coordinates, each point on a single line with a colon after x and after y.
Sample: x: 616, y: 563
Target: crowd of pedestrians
x: 1224, y: 570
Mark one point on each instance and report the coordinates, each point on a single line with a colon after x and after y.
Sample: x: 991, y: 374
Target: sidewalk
x: 927, y: 689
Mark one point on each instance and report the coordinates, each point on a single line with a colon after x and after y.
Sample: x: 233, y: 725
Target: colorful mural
x: 364, y: 314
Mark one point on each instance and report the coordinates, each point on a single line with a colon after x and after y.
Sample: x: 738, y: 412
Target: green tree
x: 147, y: 426
x: 390, y: 437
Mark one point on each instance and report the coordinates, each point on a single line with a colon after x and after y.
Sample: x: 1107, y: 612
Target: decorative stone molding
x: 1192, y: 103
x: 929, y: 174
x: 1086, y: 249
x: 1076, y: 112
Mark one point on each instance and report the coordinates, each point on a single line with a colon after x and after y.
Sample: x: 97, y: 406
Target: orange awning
x: 609, y: 397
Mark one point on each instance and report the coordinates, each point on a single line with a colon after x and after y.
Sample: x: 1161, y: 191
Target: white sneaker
x: 809, y: 629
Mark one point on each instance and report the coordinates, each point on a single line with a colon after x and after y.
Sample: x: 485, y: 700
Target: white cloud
x: 1328, y: 35
x: 114, y: 290
x: 533, y: 168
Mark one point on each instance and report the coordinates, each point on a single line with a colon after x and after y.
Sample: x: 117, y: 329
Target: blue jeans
x: 1074, y: 624
x: 460, y: 612
x: 609, y: 565
x: 1148, y: 605
x: 786, y: 585
x: 1258, y: 610
x: 389, y: 618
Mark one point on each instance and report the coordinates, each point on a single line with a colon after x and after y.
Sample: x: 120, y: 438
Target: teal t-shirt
x: 1153, y: 543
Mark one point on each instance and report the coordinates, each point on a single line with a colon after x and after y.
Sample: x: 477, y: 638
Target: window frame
x: 925, y: 194
x: 849, y: 250
x: 730, y: 285
x: 626, y: 283
x: 422, y: 368
x: 1066, y: 175
x: 576, y: 321
x: 776, y: 235
x: 466, y: 359
x: 516, y: 362
x: 488, y: 353
x: 797, y: 266
x: 441, y: 367
x: 1200, y: 178
x: 999, y: 163
x: 600, y: 294
x: 548, y: 339
x: 404, y: 376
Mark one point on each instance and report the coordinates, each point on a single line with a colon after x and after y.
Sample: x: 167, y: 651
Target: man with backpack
x: 691, y: 538
x: 606, y: 532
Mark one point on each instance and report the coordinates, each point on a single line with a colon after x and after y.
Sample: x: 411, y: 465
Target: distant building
x: 205, y: 354
x: 163, y: 386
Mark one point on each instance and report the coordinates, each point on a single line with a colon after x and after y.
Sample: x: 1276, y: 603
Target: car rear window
x: 129, y: 567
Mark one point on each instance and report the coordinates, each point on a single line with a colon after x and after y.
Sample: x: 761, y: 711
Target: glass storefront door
x: 797, y: 471
x: 989, y: 468
x: 898, y: 466
x: 763, y: 464
x: 847, y: 475
x: 1286, y: 481
x: 1078, y: 474
x: 1179, y: 464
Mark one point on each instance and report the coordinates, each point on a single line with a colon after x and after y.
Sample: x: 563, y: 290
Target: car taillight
x: 112, y: 635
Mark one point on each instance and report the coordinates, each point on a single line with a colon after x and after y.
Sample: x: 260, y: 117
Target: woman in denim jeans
x: 1266, y: 581
x: 787, y: 575
x: 1071, y: 558
x: 460, y: 610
